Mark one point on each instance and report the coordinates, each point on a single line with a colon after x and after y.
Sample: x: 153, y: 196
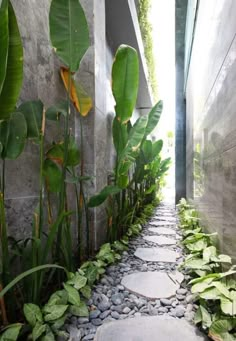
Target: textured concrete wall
x: 211, y: 106
x: 41, y: 80
x: 180, y: 136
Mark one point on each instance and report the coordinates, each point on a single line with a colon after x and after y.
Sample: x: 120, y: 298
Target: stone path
x: 144, y: 297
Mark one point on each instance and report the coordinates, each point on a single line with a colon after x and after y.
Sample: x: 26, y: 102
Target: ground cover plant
x: 52, y: 278
x: 213, y: 282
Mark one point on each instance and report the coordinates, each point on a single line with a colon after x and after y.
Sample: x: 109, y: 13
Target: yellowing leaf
x: 79, y: 97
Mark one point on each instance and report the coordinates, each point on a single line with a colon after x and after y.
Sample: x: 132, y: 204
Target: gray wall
x: 180, y: 123
x: 211, y: 113
x: 41, y: 80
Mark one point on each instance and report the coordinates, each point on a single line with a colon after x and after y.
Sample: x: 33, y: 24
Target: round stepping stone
x: 161, y: 223
x: 161, y: 230
x: 153, y: 284
x: 155, y: 328
x: 156, y: 255
x: 160, y: 240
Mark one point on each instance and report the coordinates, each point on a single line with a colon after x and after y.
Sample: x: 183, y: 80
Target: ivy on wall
x: 146, y: 31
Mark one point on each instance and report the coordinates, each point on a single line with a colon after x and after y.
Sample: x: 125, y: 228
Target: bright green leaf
x: 4, y: 41
x: 14, y: 71
x: 32, y: 313
x: 80, y: 310
x: 68, y: 31
x: 33, y: 112
x: 13, y: 136
x: 73, y: 294
x: 98, y: 199
x: 38, y: 330
x: 154, y: 117
x: 11, y: 332
x: 125, y: 82
x: 55, y: 312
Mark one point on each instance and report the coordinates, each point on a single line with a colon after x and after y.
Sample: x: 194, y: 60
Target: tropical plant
x: 138, y: 167
x: 214, y: 290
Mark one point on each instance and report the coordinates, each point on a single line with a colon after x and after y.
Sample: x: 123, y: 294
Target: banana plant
x: 70, y: 40
x: 83, y: 104
x: 12, y: 124
x: 11, y: 60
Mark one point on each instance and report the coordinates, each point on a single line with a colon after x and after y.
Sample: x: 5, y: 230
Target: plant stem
x: 3, y: 309
x: 63, y: 185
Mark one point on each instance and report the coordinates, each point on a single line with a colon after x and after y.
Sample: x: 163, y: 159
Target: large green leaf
x: 33, y: 112
x: 228, y: 305
x: 156, y: 148
x: 80, y: 310
x: 68, y: 31
x: 99, y: 198
x: 147, y: 151
x: 219, y: 330
x: 11, y: 333
x: 54, y: 312
x: 53, y: 176
x: 130, y: 151
x: 125, y: 82
x: 4, y: 41
x: 14, y: 72
x: 120, y: 136
x: 154, y: 117
x: 73, y: 294
x: 13, y: 134
x: 32, y: 313
x: 56, y: 153
x: 78, y: 281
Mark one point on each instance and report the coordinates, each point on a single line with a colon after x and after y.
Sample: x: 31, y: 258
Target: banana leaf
x: 14, y: 71
x: 68, y: 32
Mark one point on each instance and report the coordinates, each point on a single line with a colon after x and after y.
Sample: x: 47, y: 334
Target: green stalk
x: 63, y: 186
x: 3, y: 230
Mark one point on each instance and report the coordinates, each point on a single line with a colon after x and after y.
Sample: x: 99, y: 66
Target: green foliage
x: 125, y: 80
x: 4, y: 41
x: 13, y: 136
x: 146, y: 31
x: 12, y: 69
x: 69, y: 32
x: 214, y: 290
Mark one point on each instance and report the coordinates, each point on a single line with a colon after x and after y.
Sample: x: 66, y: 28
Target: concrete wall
x: 211, y: 113
x: 42, y: 81
x: 180, y: 120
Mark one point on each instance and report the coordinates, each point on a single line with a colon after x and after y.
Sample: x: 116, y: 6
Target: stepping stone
x: 150, y: 328
x: 156, y: 255
x: 162, y: 230
x: 160, y: 240
x: 166, y: 218
x: 161, y: 223
x: 153, y: 284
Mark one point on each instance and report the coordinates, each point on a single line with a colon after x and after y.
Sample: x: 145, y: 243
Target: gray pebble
x: 117, y: 299
x: 115, y: 315
x: 165, y: 302
x: 189, y: 298
x: 181, y: 291
x: 94, y: 314
x: 179, y: 311
x: 89, y: 337
x: 82, y: 320
x: 126, y: 310
x: 104, y: 314
x: 162, y: 310
x: 96, y: 322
